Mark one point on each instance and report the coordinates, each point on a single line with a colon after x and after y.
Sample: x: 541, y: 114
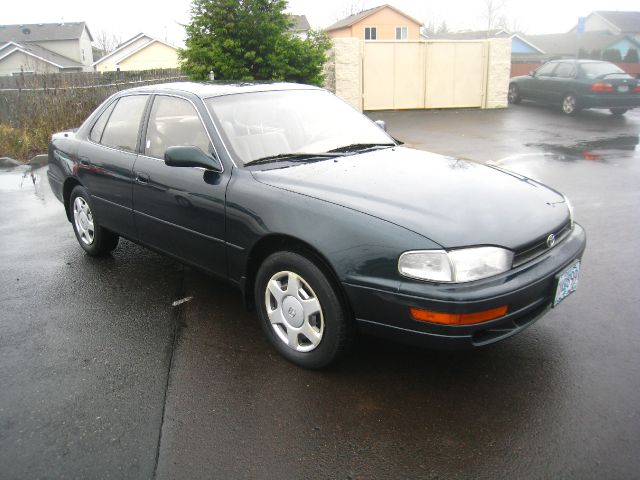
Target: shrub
x: 612, y: 55
x: 631, y: 56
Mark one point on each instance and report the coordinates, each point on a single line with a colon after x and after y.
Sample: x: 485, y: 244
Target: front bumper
x: 527, y: 290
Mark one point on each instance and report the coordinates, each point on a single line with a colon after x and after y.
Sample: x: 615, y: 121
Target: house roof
x: 136, y: 50
x: 300, y: 23
x: 568, y: 44
x: 40, y: 32
x: 626, y: 22
x: 356, y: 17
x: 41, y: 53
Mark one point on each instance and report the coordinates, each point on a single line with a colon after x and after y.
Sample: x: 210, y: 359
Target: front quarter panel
x: 361, y: 249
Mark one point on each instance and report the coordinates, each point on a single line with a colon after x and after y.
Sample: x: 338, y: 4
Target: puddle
x: 604, y: 149
x: 24, y: 177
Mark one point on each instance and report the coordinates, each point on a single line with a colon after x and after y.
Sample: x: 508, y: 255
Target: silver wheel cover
x: 83, y: 219
x: 294, y: 311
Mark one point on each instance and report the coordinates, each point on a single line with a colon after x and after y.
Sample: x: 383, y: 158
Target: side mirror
x: 532, y: 73
x: 189, y: 156
x: 382, y: 124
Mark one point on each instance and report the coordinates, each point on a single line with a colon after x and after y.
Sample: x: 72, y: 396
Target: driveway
x: 102, y: 377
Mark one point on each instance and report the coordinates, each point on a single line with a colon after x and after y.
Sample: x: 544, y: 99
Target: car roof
x: 215, y: 89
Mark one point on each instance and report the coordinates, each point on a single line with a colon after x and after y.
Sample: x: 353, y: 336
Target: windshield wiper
x: 361, y: 146
x: 292, y: 157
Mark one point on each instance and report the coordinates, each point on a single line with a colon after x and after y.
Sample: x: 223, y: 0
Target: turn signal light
x: 602, y: 87
x: 458, y: 318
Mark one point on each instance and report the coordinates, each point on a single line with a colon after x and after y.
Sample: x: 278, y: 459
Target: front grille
x: 537, y: 248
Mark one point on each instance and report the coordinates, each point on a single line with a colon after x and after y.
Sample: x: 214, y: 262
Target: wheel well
x: 69, y: 185
x: 277, y: 243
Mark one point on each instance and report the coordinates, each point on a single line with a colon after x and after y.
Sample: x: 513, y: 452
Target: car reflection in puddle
x: 604, y: 149
x: 15, y: 177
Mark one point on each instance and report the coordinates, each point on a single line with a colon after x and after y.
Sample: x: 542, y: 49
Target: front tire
x: 618, y: 112
x: 570, y: 104
x: 94, y: 239
x: 514, y: 94
x: 300, y: 310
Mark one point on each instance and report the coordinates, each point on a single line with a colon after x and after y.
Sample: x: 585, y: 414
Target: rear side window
x: 174, y: 122
x: 122, y: 127
x: 98, y: 127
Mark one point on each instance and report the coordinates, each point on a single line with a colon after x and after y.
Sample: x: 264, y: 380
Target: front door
x: 180, y: 210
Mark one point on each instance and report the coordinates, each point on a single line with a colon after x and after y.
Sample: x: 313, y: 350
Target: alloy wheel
x: 569, y: 104
x: 294, y: 311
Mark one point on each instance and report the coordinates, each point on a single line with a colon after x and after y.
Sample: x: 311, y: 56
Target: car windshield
x: 286, y: 123
x: 599, y: 69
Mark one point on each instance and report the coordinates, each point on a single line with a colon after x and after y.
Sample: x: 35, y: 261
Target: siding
x: 156, y: 55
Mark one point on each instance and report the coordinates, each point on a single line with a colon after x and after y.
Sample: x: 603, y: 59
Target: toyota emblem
x: 551, y: 240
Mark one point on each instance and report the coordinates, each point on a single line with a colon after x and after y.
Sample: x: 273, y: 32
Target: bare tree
x: 106, y: 42
x: 492, y: 12
x: 355, y: 6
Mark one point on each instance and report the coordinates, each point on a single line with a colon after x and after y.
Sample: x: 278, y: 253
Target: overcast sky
x: 126, y: 18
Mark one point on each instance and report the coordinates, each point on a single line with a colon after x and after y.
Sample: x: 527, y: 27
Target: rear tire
x: 618, y: 112
x: 94, y: 239
x: 570, y: 104
x: 300, y: 310
x: 514, y: 94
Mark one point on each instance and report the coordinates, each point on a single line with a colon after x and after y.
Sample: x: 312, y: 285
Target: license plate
x: 623, y: 88
x: 567, y: 283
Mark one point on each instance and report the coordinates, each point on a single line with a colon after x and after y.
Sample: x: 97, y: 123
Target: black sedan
x: 324, y: 222
x: 578, y: 84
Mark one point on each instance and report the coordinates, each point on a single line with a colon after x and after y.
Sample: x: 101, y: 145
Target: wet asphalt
x: 101, y: 377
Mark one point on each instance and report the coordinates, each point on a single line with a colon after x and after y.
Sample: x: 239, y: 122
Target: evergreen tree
x: 631, y: 56
x: 249, y: 40
x: 612, y: 55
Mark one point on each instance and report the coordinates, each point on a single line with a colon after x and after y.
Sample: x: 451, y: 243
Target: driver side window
x: 545, y: 70
x: 174, y: 122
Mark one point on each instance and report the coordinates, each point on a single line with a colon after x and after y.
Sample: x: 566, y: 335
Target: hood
x: 453, y: 202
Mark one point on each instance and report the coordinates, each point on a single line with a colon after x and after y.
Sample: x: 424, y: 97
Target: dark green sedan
x: 578, y: 84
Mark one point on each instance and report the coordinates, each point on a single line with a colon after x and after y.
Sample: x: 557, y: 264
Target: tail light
x: 602, y: 87
x: 637, y: 89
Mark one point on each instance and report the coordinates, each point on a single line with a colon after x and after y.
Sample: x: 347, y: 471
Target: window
x: 545, y: 70
x: 98, y: 127
x: 124, y: 123
x: 402, y: 33
x: 174, y: 122
x: 83, y: 55
x: 370, y: 33
x: 564, y: 70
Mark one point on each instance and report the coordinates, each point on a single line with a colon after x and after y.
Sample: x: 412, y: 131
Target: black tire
x: 102, y: 241
x: 336, y: 331
x: 570, y: 105
x: 618, y: 111
x: 514, y: 94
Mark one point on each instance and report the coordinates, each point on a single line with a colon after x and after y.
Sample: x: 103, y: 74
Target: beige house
x: 141, y: 52
x: 45, y: 48
x: 380, y: 23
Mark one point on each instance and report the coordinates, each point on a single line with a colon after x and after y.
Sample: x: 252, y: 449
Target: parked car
x: 324, y: 222
x: 578, y: 84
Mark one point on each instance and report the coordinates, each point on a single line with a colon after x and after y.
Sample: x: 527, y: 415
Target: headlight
x: 457, y: 266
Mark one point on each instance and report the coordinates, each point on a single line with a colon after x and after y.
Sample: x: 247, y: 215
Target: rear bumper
x: 527, y: 290
x: 610, y: 101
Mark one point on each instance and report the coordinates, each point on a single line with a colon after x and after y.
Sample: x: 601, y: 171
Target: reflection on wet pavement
x: 23, y: 177
x: 603, y: 149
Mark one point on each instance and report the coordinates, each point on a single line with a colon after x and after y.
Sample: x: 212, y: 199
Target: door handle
x: 142, y: 178
x: 84, y: 161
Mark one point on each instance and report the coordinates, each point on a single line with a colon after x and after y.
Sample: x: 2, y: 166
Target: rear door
x: 180, y: 210
x: 562, y: 82
x: 106, y: 162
